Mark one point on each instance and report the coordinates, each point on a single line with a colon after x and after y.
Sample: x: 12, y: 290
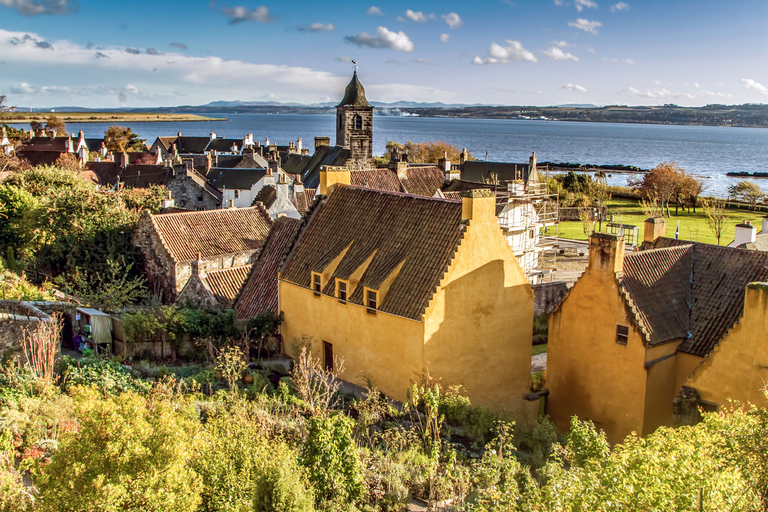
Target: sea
x: 707, y: 152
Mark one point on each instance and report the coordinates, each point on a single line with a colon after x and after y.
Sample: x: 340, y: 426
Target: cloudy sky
x: 142, y: 53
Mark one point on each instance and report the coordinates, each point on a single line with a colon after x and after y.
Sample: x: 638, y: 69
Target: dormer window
x: 341, y: 289
x: 317, y: 282
x: 371, y: 299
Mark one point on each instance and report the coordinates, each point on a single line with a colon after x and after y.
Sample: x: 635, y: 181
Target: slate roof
x: 309, y: 166
x: 689, y: 290
x: 479, y: 171
x: 225, y: 284
x: 102, y: 173
x: 35, y: 157
x: 419, y: 232
x: 354, y: 94
x: 224, y: 145
x: 241, y: 179
x: 212, y: 232
x: 259, y: 294
x: 255, y: 161
x: 142, y: 176
x: 58, y: 144
x: 185, y: 143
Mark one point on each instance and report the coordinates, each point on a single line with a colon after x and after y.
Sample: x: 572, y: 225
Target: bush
x: 330, y: 455
x: 475, y: 422
x: 280, y: 483
x: 130, y: 453
x: 107, y: 376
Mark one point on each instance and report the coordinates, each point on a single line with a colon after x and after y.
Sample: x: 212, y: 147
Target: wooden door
x: 328, y: 356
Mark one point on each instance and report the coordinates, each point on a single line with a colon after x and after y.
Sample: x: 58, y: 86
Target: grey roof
x: 224, y: 145
x: 309, y: 166
x: 241, y: 179
x: 480, y: 171
x: 354, y: 94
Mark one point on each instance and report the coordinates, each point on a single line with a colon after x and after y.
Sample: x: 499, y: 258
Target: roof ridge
x: 406, y: 194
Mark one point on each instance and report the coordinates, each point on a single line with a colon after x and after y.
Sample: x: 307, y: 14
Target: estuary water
x: 705, y: 151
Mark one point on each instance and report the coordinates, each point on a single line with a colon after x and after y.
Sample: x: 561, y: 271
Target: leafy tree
x: 55, y: 125
x: 119, y: 139
x: 717, y: 218
x: 747, y: 192
x: 130, y: 453
x: 68, y: 162
x: 4, y: 107
x: 666, y: 182
x: 429, y: 152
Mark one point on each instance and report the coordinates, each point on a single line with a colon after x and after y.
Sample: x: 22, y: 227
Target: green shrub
x: 281, y: 483
x: 330, y: 455
x: 474, y: 422
x: 108, y: 376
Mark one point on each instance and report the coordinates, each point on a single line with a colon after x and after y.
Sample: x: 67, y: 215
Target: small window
x: 237, y: 194
x: 622, y: 334
x: 317, y: 282
x: 358, y: 123
x: 372, y: 299
x: 341, y: 288
x: 199, y: 199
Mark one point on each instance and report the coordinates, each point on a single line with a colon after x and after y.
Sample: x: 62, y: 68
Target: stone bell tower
x: 354, y: 122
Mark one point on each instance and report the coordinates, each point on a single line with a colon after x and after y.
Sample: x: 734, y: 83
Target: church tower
x: 354, y: 122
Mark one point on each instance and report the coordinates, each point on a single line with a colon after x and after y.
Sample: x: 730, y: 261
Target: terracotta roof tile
x: 259, y: 294
x: 226, y: 283
x: 379, y: 179
x: 212, y: 232
x: 422, y: 233
x: 266, y: 196
x: 304, y: 199
x: 423, y: 180
x: 689, y: 290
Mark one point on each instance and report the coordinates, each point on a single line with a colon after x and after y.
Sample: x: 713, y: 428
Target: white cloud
x: 444, y: 38
x: 561, y: 44
x: 418, y: 16
x: 453, y: 20
x: 621, y: 61
x: 374, y: 11
x: 423, y: 61
x: 586, y: 25
x: 748, y: 83
x: 575, y: 88
x: 38, y: 7
x: 556, y: 53
x: 581, y: 4
x: 385, y: 38
x: 560, y: 2
x: 513, y: 51
x: 621, y: 6
x: 317, y: 27
x: 651, y: 93
x: 344, y: 58
x: 237, y: 14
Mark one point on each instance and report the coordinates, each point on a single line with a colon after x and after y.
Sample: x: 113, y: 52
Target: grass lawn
x: 693, y: 226
x: 539, y: 349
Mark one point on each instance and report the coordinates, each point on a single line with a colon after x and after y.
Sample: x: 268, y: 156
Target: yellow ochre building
x: 396, y: 283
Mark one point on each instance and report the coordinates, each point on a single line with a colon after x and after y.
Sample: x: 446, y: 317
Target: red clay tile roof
x: 694, y: 291
x: 266, y: 196
x: 212, y: 232
x: 305, y: 199
x: 379, y: 179
x: 259, y: 294
x: 423, y: 180
x: 226, y: 283
x: 422, y: 232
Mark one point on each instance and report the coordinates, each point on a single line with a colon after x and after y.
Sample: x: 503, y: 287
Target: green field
x: 693, y: 226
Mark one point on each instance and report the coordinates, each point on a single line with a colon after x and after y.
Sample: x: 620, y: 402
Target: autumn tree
x: 429, y: 152
x: 55, y: 126
x: 119, y: 139
x: 717, y: 218
x: 746, y: 191
x: 666, y: 182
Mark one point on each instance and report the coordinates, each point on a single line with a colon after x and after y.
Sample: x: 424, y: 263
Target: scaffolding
x: 527, y: 212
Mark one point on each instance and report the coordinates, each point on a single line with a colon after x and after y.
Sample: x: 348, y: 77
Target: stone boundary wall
x: 17, y: 315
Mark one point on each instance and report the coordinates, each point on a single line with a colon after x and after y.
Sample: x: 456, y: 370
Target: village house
x: 5, y: 145
x: 747, y: 237
x: 172, y: 243
x: 636, y: 328
x: 397, y: 283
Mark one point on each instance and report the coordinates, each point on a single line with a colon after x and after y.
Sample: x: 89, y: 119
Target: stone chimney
x: 330, y: 176
x: 70, y: 147
x: 123, y: 159
x: 298, y: 186
x: 198, y: 267
x: 103, y: 149
x: 178, y: 134
x: 606, y: 252
x: 765, y: 226
x: 322, y: 141
x: 231, y: 203
x: 213, y: 135
x: 653, y: 228
x: 401, y: 168
x: 80, y: 139
x: 464, y: 155
x: 274, y: 165
x: 82, y: 154
x: 299, y: 145
x: 450, y: 173
x: 305, y: 152
x: 479, y: 205
x: 168, y: 202
x: 234, y: 148
x: 745, y: 233
x: 283, y: 189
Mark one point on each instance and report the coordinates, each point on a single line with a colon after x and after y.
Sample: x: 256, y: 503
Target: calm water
x: 708, y: 152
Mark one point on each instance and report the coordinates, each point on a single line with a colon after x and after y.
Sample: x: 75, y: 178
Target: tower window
x: 358, y: 123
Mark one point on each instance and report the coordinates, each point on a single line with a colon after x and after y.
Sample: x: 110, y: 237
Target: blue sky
x: 515, y: 52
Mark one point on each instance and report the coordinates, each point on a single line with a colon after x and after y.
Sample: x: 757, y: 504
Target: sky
x: 143, y: 53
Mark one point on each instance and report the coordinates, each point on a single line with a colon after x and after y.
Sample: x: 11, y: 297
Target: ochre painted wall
x: 478, y: 325
x: 660, y: 388
x: 589, y: 375
x: 388, y: 347
x: 738, y: 366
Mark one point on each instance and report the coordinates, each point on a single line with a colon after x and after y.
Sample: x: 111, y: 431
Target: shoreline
x: 105, y: 117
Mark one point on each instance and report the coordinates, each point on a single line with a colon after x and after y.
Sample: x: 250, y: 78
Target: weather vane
x: 354, y: 63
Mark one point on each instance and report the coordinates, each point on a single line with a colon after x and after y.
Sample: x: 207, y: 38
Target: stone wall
x: 16, y: 316
x: 190, y: 193
x: 547, y: 296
